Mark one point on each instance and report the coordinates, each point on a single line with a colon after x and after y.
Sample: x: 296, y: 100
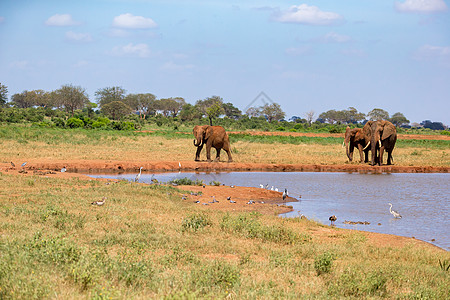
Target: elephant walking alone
x: 211, y: 136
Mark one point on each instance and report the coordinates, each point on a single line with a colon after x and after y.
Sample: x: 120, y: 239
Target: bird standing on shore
x: 99, y: 203
x: 24, y: 164
x: 332, y: 219
x: 138, y: 176
x: 394, y: 213
x: 13, y: 165
x: 285, y: 194
x: 63, y: 169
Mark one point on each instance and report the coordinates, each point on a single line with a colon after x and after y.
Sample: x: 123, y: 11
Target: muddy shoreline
x: 92, y: 166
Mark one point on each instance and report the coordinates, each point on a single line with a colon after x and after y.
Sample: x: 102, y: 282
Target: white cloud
x: 309, y: 15
x: 421, y: 6
x: 171, y: 66
x: 433, y: 53
x: 22, y: 64
x: 61, y: 20
x: 139, y: 50
x: 333, y: 37
x: 306, y: 50
x: 78, y: 37
x: 133, y: 22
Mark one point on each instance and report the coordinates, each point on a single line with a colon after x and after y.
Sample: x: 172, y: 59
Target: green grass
x: 145, y: 242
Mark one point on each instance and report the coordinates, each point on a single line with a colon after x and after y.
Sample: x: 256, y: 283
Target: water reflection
x: 422, y: 199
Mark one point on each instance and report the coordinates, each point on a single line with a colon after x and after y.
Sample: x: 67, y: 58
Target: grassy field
x: 19, y: 143
x: 145, y: 242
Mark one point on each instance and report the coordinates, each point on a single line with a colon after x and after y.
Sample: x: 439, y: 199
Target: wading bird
x: 63, y: 169
x: 138, y: 176
x: 13, y: 165
x: 332, y: 219
x: 23, y: 165
x: 394, y: 213
x: 285, y: 194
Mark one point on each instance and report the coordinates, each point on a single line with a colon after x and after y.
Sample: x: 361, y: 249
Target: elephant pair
x: 379, y: 135
x: 211, y: 136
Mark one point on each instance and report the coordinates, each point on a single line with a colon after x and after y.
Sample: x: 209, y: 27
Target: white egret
x: 394, y: 213
x: 138, y: 176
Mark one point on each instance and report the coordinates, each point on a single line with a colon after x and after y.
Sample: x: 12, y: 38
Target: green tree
x: 378, y: 114
x: 214, y: 111
x: 254, y: 112
x: 110, y: 94
x: 116, y: 109
x: 211, y: 107
x: 353, y: 116
x: 231, y: 111
x: 71, y: 97
x: 273, y: 112
x: 189, y: 112
x: 398, y: 119
x: 142, y: 103
x: 3, y: 94
x: 19, y: 100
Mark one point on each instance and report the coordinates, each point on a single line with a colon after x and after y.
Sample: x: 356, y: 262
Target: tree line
x: 115, y: 103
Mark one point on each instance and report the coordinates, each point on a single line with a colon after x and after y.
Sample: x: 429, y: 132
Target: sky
x: 305, y: 55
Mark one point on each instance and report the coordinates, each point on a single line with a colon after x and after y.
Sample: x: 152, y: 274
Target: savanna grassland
x: 146, y: 242
x: 21, y: 143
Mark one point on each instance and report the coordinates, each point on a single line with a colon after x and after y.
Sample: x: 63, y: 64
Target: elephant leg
x: 361, y: 153
x: 208, y: 153
x: 380, y: 162
x: 197, y: 154
x: 389, y: 158
x: 217, y: 154
x: 366, y: 156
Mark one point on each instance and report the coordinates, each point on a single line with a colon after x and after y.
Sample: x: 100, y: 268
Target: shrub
x: 280, y: 128
x: 60, y: 123
x: 75, y: 123
x: 323, y: 263
x: 186, y: 181
x: 195, y: 222
x: 219, y: 274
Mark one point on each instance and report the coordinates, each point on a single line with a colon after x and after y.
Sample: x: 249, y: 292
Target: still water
x: 422, y: 199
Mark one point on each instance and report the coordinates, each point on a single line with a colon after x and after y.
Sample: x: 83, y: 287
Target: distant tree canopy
x: 3, y: 94
x: 116, y: 109
x: 378, y: 114
x: 348, y: 116
x: 211, y: 107
x: 272, y: 112
x: 71, y: 97
x: 115, y: 103
x: 432, y: 125
x: 398, y: 119
x: 110, y: 94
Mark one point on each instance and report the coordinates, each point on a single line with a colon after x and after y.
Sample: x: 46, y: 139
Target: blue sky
x: 305, y: 55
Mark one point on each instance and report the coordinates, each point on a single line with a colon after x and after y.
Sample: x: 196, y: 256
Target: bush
x: 323, y: 263
x: 280, y: 128
x: 59, y: 122
x: 186, y: 181
x: 75, y: 123
x: 195, y: 222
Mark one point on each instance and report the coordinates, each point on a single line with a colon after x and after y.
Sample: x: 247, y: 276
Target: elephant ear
x: 367, y: 128
x: 389, y: 129
x: 208, y: 132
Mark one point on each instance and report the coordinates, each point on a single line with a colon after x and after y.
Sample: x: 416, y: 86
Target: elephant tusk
x: 379, y: 141
x: 367, y: 145
x: 343, y: 144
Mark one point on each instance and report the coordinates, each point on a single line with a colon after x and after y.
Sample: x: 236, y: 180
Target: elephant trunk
x: 198, y: 142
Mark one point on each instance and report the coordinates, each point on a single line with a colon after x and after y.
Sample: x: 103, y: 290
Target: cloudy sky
x: 305, y: 55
